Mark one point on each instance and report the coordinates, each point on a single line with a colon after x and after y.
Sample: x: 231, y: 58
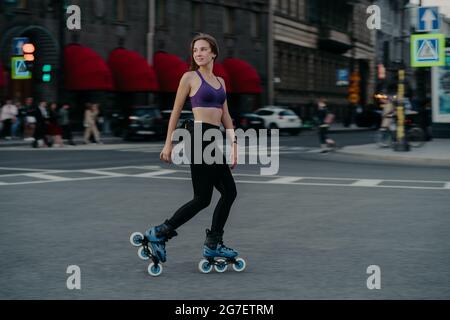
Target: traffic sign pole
x: 401, y: 143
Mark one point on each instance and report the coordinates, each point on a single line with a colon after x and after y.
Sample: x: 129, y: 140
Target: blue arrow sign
x: 428, y: 19
x: 17, y: 45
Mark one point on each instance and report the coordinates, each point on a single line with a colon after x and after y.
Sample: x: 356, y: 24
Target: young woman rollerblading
x: 209, y: 105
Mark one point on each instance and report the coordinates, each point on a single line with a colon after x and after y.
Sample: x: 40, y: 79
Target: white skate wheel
x: 221, y: 266
x: 239, y: 265
x: 204, y: 266
x: 154, y: 269
x: 136, y: 239
x: 142, y: 254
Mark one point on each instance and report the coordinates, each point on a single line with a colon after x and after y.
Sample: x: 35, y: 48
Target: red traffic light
x: 28, y: 51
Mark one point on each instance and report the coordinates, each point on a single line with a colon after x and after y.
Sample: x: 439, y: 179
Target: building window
x: 161, y: 13
x: 22, y: 4
x: 121, y: 10
x: 285, y: 6
x: 196, y: 16
x: 313, y: 11
x: 293, y: 11
x: 276, y: 5
x: 228, y: 21
x: 255, y: 25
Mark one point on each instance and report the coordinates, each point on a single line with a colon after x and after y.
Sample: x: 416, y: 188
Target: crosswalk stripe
x: 285, y: 180
x: 366, y: 183
x: 106, y: 173
x: 45, y: 176
x: 156, y: 173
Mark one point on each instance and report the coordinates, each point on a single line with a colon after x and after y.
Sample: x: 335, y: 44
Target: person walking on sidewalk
x: 90, y: 123
x: 30, y: 120
x: 209, y: 105
x: 41, y: 117
x: 8, y: 116
x: 53, y: 128
x: 64, y: 120
x: 325, y: 118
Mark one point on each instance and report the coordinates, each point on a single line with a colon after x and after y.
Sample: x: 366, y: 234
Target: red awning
x: 244, y: 78
x: 169, y: 70
x: 2, y: 77
x: 131, y: 72
x: 219, y: 71
x: 84, y: 69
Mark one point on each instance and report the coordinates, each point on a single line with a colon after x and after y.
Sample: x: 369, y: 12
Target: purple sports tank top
x: 207, y: 96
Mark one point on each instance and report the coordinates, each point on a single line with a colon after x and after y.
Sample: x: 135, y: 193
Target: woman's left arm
x: 226, y: 118
x: 229, y: 129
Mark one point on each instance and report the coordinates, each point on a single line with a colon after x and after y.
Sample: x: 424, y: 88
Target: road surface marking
x: 158, y: 172
x: 367, y: 183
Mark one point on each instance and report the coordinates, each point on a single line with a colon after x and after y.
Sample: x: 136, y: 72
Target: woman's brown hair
x: 212, y: 43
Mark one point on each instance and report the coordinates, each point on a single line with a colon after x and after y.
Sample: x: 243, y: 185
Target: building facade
x: 393, y: 46
x: 105, y: 26
x: 240, y: 28
x: 144, y: 26
x: 312, y: 41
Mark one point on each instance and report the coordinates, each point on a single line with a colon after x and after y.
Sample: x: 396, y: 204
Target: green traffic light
x: 46, y: 68
x: 46, y: 78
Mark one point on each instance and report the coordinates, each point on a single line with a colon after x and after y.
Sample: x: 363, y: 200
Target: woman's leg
x: 225, y: 184
x: 203, y: 183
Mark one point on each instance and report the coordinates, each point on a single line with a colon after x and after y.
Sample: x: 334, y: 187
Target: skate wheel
x: 239, y: 265
x: 136, y: 239
x: 204, y: 266
x: 154, y: 269
x: 142, y: 254
x: 221, y: 265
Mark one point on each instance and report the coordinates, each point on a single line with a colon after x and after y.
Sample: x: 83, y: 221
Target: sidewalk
x: 339, y: 128
x: 435, y: 152
x: 77, y: 138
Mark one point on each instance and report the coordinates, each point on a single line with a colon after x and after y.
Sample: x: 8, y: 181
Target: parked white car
x: 276, y: 117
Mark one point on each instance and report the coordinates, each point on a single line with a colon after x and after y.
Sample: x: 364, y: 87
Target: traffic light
x: 28, y: 55
x: 46, y: 73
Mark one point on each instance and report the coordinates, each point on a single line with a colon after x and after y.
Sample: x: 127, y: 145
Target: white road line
x: 65, y: 180
x: 26, y: 169
x: 155, y: 173
x: 104, y: 173
x: 44, y: 176
x: 284, y: 180
x: 367, y: 183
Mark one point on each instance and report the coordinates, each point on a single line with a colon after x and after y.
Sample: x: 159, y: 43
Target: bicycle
x: 415, y: 136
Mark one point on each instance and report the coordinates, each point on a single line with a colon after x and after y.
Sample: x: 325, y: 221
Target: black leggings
x: 204, y: 178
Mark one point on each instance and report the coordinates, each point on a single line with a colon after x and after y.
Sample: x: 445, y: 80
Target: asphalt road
x: 310, y: 232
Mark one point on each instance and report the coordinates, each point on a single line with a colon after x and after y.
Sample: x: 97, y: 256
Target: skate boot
x: 218, y: 255
x: 152, y: 245
x: 157, y: 237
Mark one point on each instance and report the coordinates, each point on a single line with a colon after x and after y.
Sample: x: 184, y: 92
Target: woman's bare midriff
x: 209, y: 115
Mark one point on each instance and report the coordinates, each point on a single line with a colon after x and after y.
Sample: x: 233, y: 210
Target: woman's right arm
x: 182, y: 93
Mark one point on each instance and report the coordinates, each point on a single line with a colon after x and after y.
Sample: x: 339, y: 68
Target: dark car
x: 249, y: 120
x: 185, y: 114
x: 139, y: 121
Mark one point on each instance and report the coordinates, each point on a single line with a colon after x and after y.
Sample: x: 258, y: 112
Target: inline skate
x: 153, y: 246
x: 218, y: 256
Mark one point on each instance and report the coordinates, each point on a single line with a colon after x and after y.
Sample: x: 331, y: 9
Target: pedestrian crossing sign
x: 19, y: 70
x: 427, y: 50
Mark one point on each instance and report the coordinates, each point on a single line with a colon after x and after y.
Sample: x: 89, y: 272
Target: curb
x: 429, y: 161
x: 350, y: 130
x: 77, y: 140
